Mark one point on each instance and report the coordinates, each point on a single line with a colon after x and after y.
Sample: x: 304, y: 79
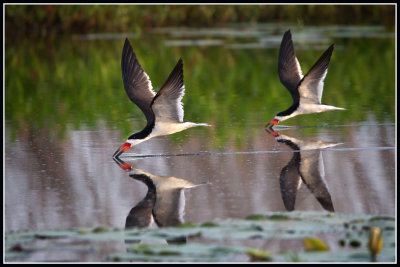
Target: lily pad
x: 256, y: 217
x: 278, y: 217
x: 259, y: 255
x: 100, y: 230
x: 212, y: 241
x: 177, y: 253
x: 315, y: 244
x: 209, y: 224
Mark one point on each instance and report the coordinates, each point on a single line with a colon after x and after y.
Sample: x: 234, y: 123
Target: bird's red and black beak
x: 122, y: 149
x: 272, y: 123
x: 272, y: 132
x: 125, y: 166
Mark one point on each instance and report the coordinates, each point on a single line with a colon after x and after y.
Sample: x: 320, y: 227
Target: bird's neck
x: 143, y: 133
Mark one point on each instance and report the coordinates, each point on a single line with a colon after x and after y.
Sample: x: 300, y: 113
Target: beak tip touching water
x: 272, y: 123
x: 122, y: 149
x: 125, y: 166
x: 117, y: 153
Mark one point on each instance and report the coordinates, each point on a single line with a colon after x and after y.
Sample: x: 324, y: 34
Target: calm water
x: 66, y: 113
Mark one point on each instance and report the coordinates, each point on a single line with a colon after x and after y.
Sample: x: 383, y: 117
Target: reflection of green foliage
x: 52, y: 84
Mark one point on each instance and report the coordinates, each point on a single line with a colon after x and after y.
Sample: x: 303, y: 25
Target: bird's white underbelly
x: 166, y: 128
x: 308, y: 108
x: 313, y: 108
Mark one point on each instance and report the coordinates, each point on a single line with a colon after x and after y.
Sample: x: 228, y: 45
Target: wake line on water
x: 282, y: 127
x: 252, y: 152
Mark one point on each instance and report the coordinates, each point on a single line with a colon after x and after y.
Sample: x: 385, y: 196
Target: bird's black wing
x: 137, y: 83
x: 288, y: 66
x: 313, y: 175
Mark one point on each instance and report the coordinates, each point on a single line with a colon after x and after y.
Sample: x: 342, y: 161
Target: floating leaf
x: 142, y: 248
x: 258, y: 255
x: 209, y: 224
x: 378, y: 218
x: 82, y: 231
x: 256, y: 217
x: 201, y: 248
x: 278, y: 217
x: 100, y: 230
x: 177, y: 253
x: 315, y: 244
x: 52, y: 234
x: 169, y: 252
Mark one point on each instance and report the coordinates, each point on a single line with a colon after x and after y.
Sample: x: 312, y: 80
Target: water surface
x: 66, y: 113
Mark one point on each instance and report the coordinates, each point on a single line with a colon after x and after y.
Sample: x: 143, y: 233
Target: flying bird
x: 164, y: 110
x: 306, y: 90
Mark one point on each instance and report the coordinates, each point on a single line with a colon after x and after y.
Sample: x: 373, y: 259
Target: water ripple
x: 132, y: 155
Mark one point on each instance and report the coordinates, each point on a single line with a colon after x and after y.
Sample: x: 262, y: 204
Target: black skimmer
x: 164, y: 202
x: 164, y: 110
x: 305, y: 167
x: 306, y: 90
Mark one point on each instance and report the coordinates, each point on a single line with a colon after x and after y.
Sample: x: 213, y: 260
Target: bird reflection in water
x: 163, y: 204
x: 306, y: 166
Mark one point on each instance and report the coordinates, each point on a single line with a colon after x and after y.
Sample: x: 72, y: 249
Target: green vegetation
x: 69, y: 81
x: 48, y: 20
x: 76, y: 83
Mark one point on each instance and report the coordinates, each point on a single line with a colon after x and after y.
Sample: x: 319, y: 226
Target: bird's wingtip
x: 203, y: 124
x: 127, y: 43
x: 337, y: 108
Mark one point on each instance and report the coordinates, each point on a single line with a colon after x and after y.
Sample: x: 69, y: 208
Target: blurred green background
x: 62, y: 63
x: 61, y: 19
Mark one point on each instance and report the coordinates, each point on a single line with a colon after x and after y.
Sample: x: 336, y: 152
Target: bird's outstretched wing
x: 313, y: 175
x: 288, y: 66
x: 167, y: 104
x: 289, y: 179
x: 312, y: 85
x: 137, y: 83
